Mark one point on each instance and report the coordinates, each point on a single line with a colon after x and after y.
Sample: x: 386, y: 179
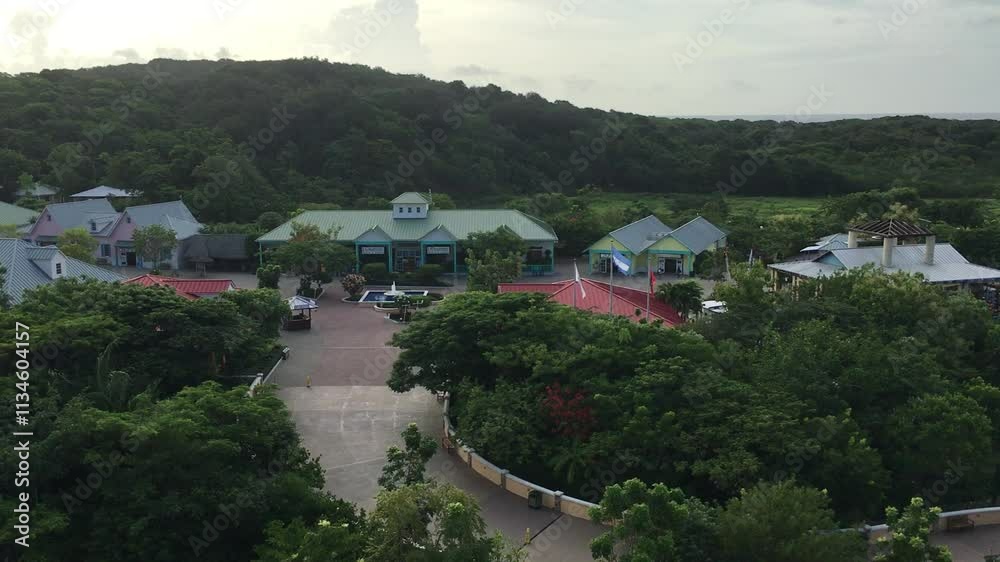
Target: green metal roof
x: 12, y: 214
x: 410, y: 198
x: 459, y: 222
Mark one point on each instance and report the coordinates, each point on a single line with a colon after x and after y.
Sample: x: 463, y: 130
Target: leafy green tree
x: 431, y: 521
x: 651, y: 523
x: 685, y: 297
x: 502, y: 241
x: 314, y: 255
x: 909, y: 540
x: 77, y: 243
x: 154, y: 243
x: 9, y: 231
x: 942, y: 437
x: 269, y: 220
x: 405, y: 467
x: 328, y: 540
x: 492, y: 269
x: 268, y: 276
x: 236, y: 458
x: 264, y: 307
x: 785, y: 522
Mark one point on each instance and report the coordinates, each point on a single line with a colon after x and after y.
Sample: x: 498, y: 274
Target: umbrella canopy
x: 302, y: 303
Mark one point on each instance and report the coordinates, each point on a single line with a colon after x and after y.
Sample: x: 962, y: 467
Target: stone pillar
x: 888, y: 247
x: 852, y: 239
x: 931, y: 244
x: 558, y: 502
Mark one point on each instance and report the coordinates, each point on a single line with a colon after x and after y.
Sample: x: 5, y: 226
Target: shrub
x: 353, y: 284
x: 375, y: 271
x: 268, y: 276
x: 428, y: 273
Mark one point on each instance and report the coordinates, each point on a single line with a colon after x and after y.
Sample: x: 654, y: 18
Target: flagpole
x: 611, y: 285
x: 576, y: 272
x: 649, y: 281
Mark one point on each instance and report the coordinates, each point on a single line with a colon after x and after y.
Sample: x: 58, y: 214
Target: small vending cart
x: 301, y: 316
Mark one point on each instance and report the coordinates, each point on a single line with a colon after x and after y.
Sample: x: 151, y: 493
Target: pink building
x: 113, y: 230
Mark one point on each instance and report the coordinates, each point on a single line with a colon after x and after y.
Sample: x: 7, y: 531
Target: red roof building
x: 190, y: 289
x: 598, y: 298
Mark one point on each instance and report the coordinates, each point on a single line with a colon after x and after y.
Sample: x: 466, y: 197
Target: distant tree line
x: 236, y: 139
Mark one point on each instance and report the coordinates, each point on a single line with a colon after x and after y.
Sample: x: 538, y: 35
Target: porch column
x: 260, y: 253
x: 388, y: 251
x: 357, y: 257
x: 552, y: 259
x: 454, y: 258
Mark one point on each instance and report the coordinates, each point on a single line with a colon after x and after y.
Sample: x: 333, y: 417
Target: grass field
x: 765, y: 206
x: 769, y: 206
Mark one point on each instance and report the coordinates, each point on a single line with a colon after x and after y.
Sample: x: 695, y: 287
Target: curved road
x: 349, y: 417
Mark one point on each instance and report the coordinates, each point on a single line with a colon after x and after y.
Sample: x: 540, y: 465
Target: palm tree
x: 685, y: 297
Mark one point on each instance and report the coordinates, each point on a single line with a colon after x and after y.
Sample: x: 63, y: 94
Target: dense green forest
x: 236, y: 139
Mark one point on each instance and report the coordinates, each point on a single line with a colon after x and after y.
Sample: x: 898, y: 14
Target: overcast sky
x: 663, y: 57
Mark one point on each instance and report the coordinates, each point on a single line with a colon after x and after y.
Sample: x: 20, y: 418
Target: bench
x: 962, y: 523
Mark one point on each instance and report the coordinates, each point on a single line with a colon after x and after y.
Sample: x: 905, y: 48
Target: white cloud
x: 606, y: 53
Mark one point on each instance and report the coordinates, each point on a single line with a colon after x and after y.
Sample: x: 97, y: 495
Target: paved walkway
x: 349, y: 418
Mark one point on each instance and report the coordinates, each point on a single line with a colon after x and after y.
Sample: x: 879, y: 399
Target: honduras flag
x: 621, y: 261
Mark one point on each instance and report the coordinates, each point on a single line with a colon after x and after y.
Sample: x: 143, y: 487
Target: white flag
x: 577, y: 271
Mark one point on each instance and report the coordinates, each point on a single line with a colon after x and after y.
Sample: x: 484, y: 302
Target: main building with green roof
x: 411, y: 234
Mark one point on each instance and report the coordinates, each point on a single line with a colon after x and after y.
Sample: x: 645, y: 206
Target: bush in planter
x: 268, y: 276
x: 353, y: 284
x: 428, y: 273
x: 375, y: 271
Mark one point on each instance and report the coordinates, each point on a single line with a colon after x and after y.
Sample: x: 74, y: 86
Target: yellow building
x: 665, y: 250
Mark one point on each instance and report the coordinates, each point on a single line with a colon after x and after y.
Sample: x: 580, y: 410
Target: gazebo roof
x: 891, y: 228
x: 302, y: 303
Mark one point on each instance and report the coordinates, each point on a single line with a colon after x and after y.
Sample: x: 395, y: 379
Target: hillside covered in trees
x: 239, y: 138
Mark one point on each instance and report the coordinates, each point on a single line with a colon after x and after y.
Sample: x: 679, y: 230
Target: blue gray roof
x: 410, y: 198
x: 828, y: 242
x: 949, y: 265
x: 641, y: 234
x: 102, y: 191
x: 172, y: 214
x: 698, y: 234
x: 18, y: 216
x: 28, y: 266
x: 78, y: 213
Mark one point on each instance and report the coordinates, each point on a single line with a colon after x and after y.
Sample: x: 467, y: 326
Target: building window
x: 128, y: 220
x: 48, y: 217
x: 400, y: 210
x: 58, y: 268
x: 93, y: 226
x: 105, y: 250
x: 409, y: 209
